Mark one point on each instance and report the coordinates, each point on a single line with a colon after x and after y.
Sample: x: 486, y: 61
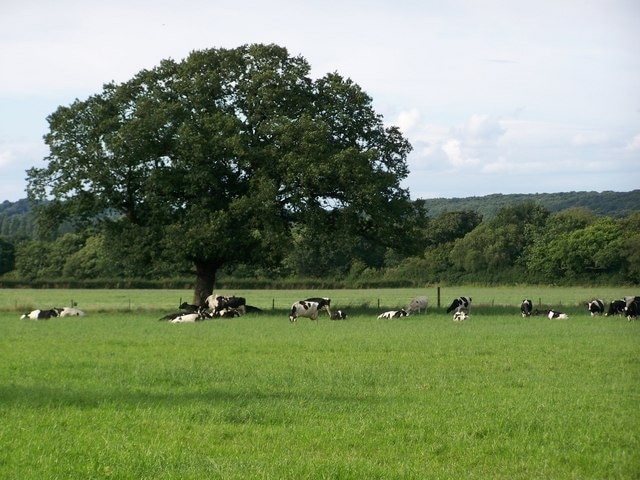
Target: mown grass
x: 121, y: 395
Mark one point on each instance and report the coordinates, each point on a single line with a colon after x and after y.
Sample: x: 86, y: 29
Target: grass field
x: 118, y: 394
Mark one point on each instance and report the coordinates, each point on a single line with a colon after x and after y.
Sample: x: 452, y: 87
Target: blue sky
x: 495, y: 96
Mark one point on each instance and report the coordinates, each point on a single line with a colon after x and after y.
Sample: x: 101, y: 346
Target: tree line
x: 521, y: 243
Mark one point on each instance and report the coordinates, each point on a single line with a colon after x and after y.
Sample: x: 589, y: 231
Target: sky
x: 530, y: 96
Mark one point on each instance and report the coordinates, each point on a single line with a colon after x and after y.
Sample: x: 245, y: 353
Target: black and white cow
x: 418, y: 304
x: 633, y: 309
x: 188, y: 307
x: 308, y: 309
x: 460, y: 316
x: 338, y: 315
x: 616, y: 307
x: 70, y: 312
x: 459, y: 304
x: 394, y: 314
x: 526, y: 308
x: 326, y: 301
x: 595, y: 307
x: 40, y: 314
x: 190, y: 317
x: 219, y: 302
x: 553, y: 314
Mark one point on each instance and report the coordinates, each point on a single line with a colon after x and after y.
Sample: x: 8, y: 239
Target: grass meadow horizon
x: 118, y: 394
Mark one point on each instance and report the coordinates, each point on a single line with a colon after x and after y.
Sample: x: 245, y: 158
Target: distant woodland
x: 560, y: 238
x: 611, y: 204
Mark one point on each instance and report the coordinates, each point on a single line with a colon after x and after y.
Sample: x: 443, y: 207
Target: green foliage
x: 216, y: 157
x: 612, y: 204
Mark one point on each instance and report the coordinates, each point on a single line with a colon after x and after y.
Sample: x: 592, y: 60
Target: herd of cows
x: 219, y: 306
x: 627, y: 306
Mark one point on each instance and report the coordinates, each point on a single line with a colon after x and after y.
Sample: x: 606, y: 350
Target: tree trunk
x: 205, y: 281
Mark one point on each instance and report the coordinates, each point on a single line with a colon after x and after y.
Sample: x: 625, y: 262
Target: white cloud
x: 407, y: 120
x: 634, y: 144
x: 5, y: 159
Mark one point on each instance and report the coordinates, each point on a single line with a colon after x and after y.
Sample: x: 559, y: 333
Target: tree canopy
x: 225, y: 158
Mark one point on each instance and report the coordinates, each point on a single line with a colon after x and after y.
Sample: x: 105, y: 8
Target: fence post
x: 273, y: 304
x: 438, y: 297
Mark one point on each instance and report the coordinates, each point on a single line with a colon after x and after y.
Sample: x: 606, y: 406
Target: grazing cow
x: 418, y: 304
x: 325, y: 300
x: 552, y: 314
x: 394, y: 314
x: 460, y: 316
x: 633, y: 309
x: 595, y: 307
x: 628, y: 300
x: 526, y: 308
x: 616, y: 307
x: 306, y: 308
x: 338, y: 315
x: 40, y: 314
x: 459, y: 304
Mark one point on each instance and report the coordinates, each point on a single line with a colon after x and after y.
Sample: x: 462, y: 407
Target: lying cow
x: 595, y: 307
x: 459, y: 304
x: 418, y: 304
x: 616, y: 307
x: 70, y: 312
x: 394, y: 314
x: 554, y: 315
x: 308, y: 309
x: 219, y: 302
x: 526, y: 308
x: 190, y: 317
x: 460, y: 316
x: 40, y: 314
x: 338, y: 315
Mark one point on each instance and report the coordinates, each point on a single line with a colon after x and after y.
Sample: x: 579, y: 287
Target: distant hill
x: 16, y: 218
x: 612, y: 204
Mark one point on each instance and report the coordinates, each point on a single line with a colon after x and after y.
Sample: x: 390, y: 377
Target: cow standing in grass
x: 526, y: 308
x: 595, y: 307
x: 308, y: 309
x: 418, y: 304
x: 460, y: 304
x: 616, y: 307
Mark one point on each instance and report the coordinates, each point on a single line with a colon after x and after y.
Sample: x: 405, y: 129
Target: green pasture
x: 117, y: 394
x: 101, y: 300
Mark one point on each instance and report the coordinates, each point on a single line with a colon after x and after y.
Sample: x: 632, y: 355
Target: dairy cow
x: 555, y: 315
x: 595, y: 307
x: 616, y: 307
x: 308, y: 309
x: 394, y: 314
x: 459, y: 304
x: 526, y: 308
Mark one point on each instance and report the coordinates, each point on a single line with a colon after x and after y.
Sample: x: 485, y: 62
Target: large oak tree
x: 217, y: 158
